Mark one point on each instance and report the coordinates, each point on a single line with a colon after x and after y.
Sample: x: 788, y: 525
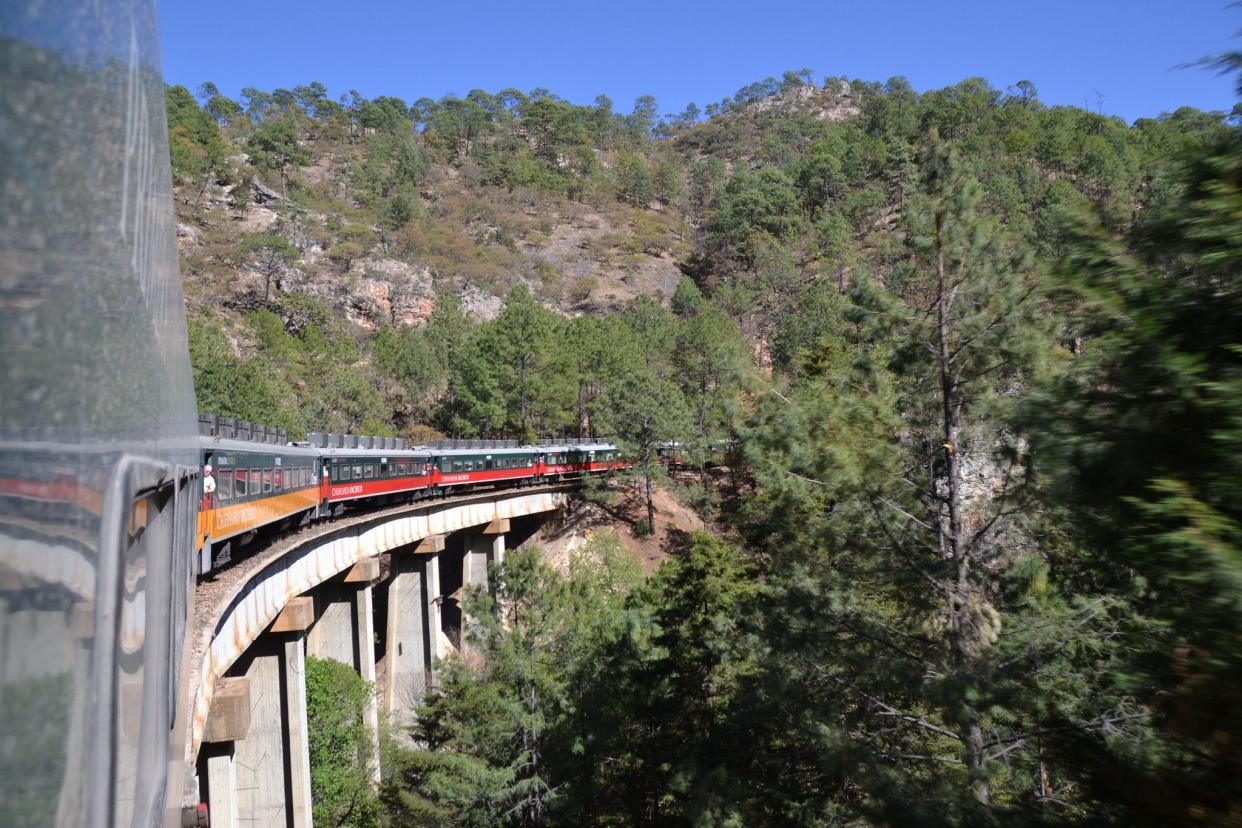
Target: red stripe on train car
x: 368, y: 488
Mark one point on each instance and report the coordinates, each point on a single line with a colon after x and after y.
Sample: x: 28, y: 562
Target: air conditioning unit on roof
x: 207, y: 424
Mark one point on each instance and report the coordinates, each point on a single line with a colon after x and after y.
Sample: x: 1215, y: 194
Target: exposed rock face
x: 264, y: 195
x: 373, y: 292
x: 187, y: 237
x: 258, y: 220
x: 479, y: 304
x: 833, y: 103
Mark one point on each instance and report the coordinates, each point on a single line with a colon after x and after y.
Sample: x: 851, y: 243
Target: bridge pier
x: 412, y: 630
x: 433, y: 594
x: 484, y: 548
x: 260, y: 759
x: 345, y: 631
x: 291, y: 625
x: 317, y: 599
x: 221, y: 785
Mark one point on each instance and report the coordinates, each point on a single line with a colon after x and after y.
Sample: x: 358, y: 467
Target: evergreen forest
x: 957, y: 376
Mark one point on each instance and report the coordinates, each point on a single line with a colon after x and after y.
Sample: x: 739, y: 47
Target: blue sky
x: 1121, y: 55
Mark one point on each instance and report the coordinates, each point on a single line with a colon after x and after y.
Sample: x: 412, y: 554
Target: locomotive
x: 257, y: 483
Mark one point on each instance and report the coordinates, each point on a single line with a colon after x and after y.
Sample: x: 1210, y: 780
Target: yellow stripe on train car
x: 236, y: 518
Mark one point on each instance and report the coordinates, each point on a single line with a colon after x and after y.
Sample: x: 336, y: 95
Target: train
x: 256, y: 482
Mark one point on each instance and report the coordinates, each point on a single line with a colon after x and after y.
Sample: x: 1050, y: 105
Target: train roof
x: 413, y: 451
x: 254, y: 447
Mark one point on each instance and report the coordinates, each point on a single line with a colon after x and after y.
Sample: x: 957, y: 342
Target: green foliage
x: 634, y: 183
x: 644, y: 410
x: 275, y: 147
x: 228, y: 385
x: 270, y: 255
x: 495, y: 735
x: 1140, y: 439
x: 196, y: 148
x: 985, y: 559
x: 341, y: 748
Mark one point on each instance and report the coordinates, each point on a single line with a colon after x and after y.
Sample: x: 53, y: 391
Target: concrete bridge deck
x: 234, y: 610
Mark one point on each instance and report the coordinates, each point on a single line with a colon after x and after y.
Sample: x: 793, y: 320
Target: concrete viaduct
x: 376, y: 589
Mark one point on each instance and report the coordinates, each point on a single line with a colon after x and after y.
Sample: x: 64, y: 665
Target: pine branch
x: 889, y: 710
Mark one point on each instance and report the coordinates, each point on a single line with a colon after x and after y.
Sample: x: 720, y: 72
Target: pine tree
x: 644, y: 410
x: 1140, y: 442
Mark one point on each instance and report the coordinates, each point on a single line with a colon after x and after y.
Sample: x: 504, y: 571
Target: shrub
x: 341, y: 749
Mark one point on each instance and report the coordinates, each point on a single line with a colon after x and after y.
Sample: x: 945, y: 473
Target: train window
x: 385, y: 469
x: 267, y: 480
x: 357, y: 472
x: 240, y: 488
x: 224, y: 486
x: 342, y: 473
x: 457, y: 466
x: 256, y: 485
x: 369, y: 470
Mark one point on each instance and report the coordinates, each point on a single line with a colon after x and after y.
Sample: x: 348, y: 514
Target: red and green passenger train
x: 256, y: 482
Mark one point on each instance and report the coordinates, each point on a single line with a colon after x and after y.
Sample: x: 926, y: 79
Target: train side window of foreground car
x: 241, y: 482
x: 357, y: 472
x: 256, y: 487
x: 368, y: 471
x: 267, y: 481
x: 224, y: 486
x: 385, y: 469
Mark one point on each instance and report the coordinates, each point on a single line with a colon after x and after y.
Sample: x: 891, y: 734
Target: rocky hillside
x: 317, y: 235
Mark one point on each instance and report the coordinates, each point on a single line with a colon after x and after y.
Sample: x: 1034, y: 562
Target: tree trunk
x: 522, y: 398
x: 650, y: 498
x: 951, y: 543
